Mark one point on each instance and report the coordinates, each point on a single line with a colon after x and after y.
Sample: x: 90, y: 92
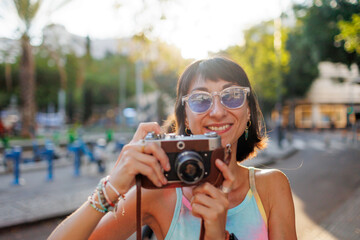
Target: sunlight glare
x: 195, y: 27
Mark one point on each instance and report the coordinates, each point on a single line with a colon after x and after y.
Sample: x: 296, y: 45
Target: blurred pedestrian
x: 3, y: 135
x: 100, y: 154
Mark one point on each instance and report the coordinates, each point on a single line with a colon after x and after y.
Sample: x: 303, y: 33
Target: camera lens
x: 189, y: 167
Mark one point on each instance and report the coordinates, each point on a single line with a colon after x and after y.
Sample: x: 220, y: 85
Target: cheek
x: 243, y: 117
x: 193, y: 120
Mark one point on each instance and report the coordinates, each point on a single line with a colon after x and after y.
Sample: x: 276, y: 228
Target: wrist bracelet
x: 101, y: 200
x: 105, y: 203
x: 119, y: 196
x: 93, y: 205
x: 106, y: 196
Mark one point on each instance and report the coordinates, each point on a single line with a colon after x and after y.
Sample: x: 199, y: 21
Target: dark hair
x: 214, y: 69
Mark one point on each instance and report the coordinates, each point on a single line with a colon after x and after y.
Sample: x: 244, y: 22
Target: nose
x: 217, y: 110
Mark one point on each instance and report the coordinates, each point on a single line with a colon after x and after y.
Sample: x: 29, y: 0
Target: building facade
x: 333, y: 100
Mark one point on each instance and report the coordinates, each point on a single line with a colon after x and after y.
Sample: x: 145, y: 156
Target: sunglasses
x: 232, y: 98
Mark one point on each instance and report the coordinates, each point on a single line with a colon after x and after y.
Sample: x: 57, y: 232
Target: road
x: 323, y: 174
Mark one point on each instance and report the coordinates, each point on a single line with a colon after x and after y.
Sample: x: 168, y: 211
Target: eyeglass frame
x: 213, y: 94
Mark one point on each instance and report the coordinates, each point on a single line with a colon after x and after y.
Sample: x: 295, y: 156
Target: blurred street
x: 325, y: 180
x: 323, y: 169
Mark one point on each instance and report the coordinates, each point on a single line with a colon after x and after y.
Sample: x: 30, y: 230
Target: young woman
x: 213, y: 95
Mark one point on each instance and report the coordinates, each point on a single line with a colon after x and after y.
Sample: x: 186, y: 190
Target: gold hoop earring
x: 247, y: 130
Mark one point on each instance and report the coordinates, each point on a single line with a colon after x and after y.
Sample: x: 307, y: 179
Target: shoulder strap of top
x: 252, y: 179
x: 256, y: 195
x: 176, y: 215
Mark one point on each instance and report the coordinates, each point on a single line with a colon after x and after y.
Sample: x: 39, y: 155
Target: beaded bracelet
x: 101, y: 195
x: 92, y: 204
x: 98, y: 191
x: 101, y: 200
x: 120, y: 196
x: 106, y: 196
x: 105, y: 200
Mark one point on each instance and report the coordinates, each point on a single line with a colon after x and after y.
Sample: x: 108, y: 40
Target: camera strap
x: 138, y: 200
x: 138, y: 207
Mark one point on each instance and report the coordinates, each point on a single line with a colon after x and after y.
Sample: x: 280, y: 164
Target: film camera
x: 192, y: 159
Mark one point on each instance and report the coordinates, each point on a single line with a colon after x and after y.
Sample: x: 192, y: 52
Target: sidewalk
x: 39, y: 199
x: 272, y: 154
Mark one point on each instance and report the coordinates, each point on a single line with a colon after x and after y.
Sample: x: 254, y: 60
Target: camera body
x: 192, y: 159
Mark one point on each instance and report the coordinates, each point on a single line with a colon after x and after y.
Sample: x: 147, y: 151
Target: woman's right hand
x: 138, y: 157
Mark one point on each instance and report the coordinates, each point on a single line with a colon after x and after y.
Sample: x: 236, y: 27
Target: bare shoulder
x: 273, y: 187
x: 275, y: 193
x: 270, y: 179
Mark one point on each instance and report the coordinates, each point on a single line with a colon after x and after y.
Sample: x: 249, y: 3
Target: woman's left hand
x: 211, y: 204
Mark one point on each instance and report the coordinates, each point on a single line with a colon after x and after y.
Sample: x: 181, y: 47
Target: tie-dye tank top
x: 247, y: 220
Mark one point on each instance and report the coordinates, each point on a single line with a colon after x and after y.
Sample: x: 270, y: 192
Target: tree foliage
x: 350, y: 33
x: 47, y: 80
x: 262, y: 64
x: 103, y: 77
x: 312, y: 40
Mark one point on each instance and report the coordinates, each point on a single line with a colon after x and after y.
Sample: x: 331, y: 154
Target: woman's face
x: 228, y: 123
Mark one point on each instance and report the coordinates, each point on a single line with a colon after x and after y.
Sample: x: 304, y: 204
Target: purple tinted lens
x: 200, y: 102
x: 233, y: 99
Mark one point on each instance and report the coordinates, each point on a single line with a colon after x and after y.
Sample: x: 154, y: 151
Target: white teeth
x: 222, y: 128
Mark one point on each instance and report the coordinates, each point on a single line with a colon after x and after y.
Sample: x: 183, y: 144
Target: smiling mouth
x: 219, y: 128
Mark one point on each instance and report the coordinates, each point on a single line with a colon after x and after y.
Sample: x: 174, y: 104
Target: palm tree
x: 27, y: 10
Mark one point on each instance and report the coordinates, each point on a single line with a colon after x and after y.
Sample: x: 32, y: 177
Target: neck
x: 239, y: 172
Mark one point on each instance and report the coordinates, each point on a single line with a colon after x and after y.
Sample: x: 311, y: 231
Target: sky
x: 194, y: 26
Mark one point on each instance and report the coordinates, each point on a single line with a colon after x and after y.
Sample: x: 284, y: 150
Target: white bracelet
x: 112, y: 187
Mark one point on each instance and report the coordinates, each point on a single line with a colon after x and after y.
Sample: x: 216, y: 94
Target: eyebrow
x: 206, y: 90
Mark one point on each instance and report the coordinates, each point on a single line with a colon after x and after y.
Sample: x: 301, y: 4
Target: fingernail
x: 164, y: 180
x: 168, y: 167
x: 158, y: 184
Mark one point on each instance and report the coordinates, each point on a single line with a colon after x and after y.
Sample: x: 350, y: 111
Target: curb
x: 265, y: 159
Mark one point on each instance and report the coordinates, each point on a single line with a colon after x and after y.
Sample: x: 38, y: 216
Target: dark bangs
x: 221, y: 68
